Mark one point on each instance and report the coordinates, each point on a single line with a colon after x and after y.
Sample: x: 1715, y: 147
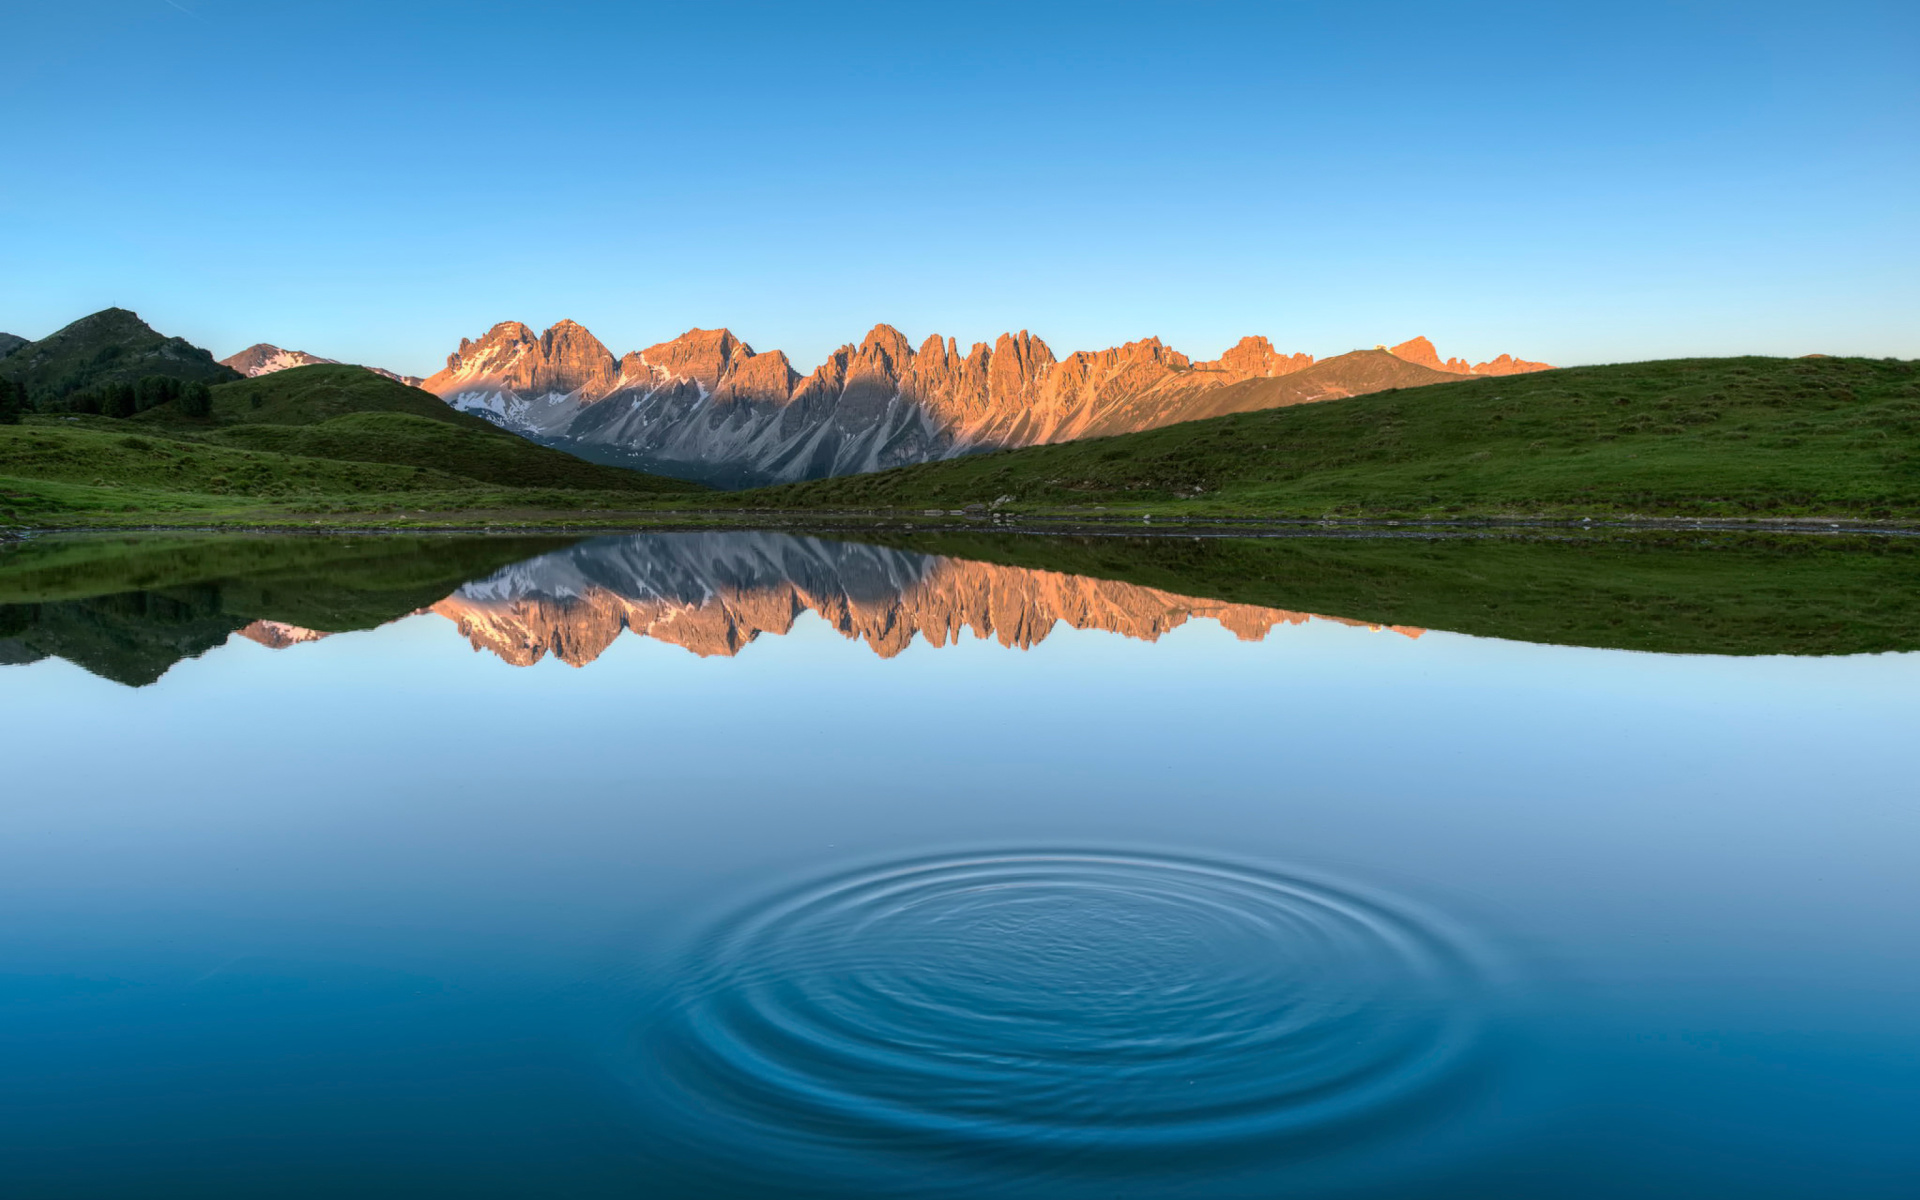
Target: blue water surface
x: 1339, y: 912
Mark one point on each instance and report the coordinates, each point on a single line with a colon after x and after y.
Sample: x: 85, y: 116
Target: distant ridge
x: 707, y: 406
x: 264, y: 358
x: 1421, y: 351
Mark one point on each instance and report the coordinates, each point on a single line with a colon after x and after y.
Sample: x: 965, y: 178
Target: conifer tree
x: 196, y: 399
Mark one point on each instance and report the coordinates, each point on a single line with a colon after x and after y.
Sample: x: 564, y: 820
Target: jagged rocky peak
x: 1255, y: 356
x: 565, y: 338
x: 1507, y: 364
x: 506, y: 333
x: 1017, y: 362
x: 705, y: 356
x: 759, y: 378
x: 503, y: 342
x: 937, y: 354
x: 1420, y: 350
x: 883, y: 359
x: 566, y: 358
x: 1148, y: 355
x: 573, y: 360
x: 887, y: 348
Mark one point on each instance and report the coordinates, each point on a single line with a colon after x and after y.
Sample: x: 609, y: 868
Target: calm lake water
x: 746, y: 865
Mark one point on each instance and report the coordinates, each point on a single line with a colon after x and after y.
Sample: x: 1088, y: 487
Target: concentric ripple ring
x: 1072, y: 1001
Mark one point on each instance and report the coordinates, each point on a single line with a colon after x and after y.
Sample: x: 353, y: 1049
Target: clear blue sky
x: 374, y: 180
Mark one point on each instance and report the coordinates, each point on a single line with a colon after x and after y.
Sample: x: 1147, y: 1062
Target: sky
x: 373, y: 181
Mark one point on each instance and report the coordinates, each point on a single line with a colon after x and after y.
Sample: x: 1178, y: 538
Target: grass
x: 1718, y: 593
x: 322, y: 392
x: 1733, y: 437
x: 490, y: 456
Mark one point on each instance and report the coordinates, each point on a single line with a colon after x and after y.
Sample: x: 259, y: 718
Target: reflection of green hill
x: 127, y: 609
x: 1692, y: 593
x: 132, y: 638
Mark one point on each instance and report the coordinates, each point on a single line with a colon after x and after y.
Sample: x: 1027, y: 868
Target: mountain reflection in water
x: 128, y: 608
x: 714, y: 593
x: 711, y: 593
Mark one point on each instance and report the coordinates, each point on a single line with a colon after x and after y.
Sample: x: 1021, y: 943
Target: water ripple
x: 1066, y: 1003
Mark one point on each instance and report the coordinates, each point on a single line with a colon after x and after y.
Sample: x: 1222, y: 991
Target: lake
x: 945, y: 863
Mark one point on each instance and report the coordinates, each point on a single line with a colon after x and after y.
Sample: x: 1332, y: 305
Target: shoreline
x: 1037, y: 524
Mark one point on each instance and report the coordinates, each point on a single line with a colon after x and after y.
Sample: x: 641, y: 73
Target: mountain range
x: 707, y: 406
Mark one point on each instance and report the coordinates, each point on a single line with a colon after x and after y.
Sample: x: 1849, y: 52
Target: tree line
x: 191, y: 398
x: 13, y: 401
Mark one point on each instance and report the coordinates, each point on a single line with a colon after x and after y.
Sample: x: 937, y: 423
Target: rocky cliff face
x: 707, y: 406
x: 713, y: 594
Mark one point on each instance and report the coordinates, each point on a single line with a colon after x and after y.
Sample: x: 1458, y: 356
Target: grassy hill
x: 111, y: 346
x: 321, y: 439
x: 310, y: 395
x: 351, y: 414
x: 1708, y: 437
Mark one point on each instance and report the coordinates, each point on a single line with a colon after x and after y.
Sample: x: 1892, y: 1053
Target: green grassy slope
x: 1685, y: 594
x: 111, y: 346
x: 105, y: 466
x: 97, y: 472
x: 490, y: 455
x: 350, y: 413
x: 1717, y: 437
x: 308, y: 395
x: 322, y: 438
